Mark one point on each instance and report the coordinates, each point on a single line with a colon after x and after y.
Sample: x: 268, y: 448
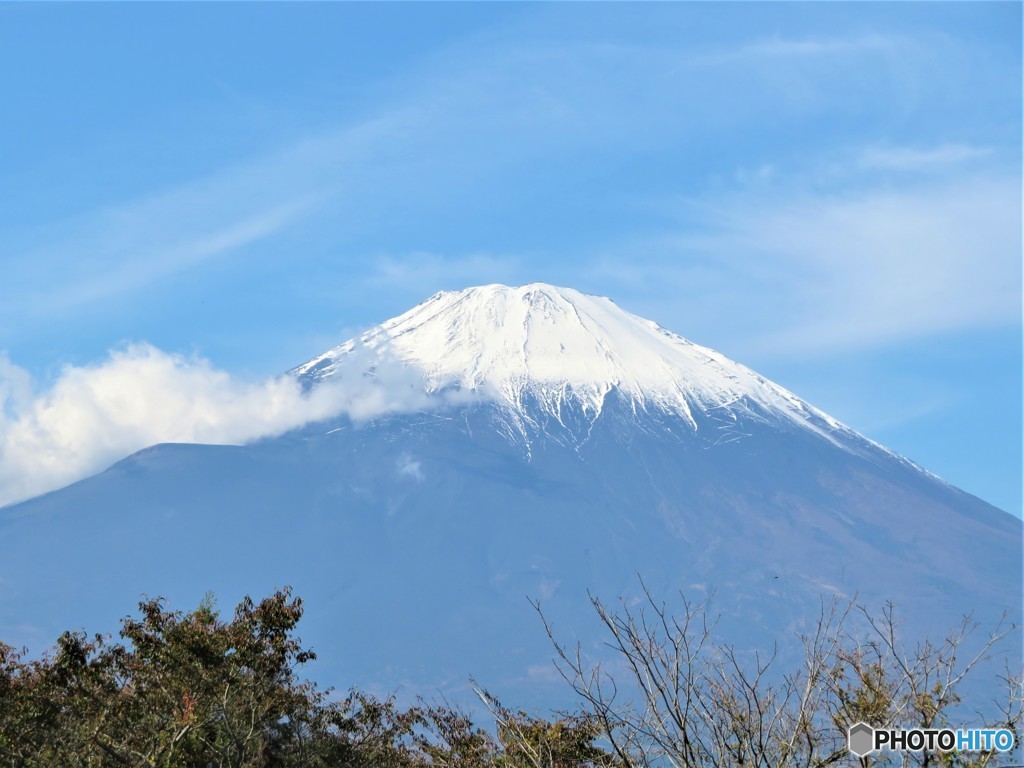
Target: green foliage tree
x: 191, y: 690
x: 181, y: 690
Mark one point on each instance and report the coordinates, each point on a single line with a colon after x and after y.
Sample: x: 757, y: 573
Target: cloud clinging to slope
x: 94, y: 415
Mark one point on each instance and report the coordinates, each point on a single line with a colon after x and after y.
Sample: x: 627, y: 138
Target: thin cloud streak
x: 120, y: 249
x: 916, y: 159
x: 415, y: 270
x: 785, y: 48
x: 140, y: 265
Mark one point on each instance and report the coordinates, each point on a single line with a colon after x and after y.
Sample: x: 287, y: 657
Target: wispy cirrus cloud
x: 778, y: 47
x: 885, y: 266
x: 414, y: 270
x: 446, y: 132
x: 128, y: 246
x: 489, y: 148
x: 117, y: 269
x: 826, y: 273
x: 919, y: 159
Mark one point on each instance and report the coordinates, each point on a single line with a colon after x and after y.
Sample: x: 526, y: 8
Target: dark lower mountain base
x: 416, y: 541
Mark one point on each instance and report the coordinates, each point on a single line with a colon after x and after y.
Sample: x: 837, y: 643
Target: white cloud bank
x: 94, y: 415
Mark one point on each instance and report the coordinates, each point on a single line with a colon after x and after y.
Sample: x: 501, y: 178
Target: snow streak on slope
x: 541, y: 347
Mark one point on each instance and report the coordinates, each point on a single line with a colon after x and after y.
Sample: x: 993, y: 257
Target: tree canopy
x: 195, y: 690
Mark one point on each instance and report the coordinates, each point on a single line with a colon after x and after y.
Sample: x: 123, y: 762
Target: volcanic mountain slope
x: 527, y: 441
x: 539, y: 352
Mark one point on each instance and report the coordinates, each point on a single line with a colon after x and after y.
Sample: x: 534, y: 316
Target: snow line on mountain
x: 539, y: 346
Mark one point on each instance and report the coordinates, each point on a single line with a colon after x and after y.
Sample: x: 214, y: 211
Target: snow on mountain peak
x: 556, y: 346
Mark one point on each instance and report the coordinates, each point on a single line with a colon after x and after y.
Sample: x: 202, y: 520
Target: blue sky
x: 829, y: 193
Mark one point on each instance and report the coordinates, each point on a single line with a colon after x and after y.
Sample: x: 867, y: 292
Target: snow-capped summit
x: 554, y: 347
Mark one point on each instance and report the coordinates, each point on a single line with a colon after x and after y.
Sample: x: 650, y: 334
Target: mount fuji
x: 506, y: 444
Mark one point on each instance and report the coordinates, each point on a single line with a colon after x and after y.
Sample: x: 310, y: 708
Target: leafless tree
x: 670, y: 695
x: 880, y: 680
